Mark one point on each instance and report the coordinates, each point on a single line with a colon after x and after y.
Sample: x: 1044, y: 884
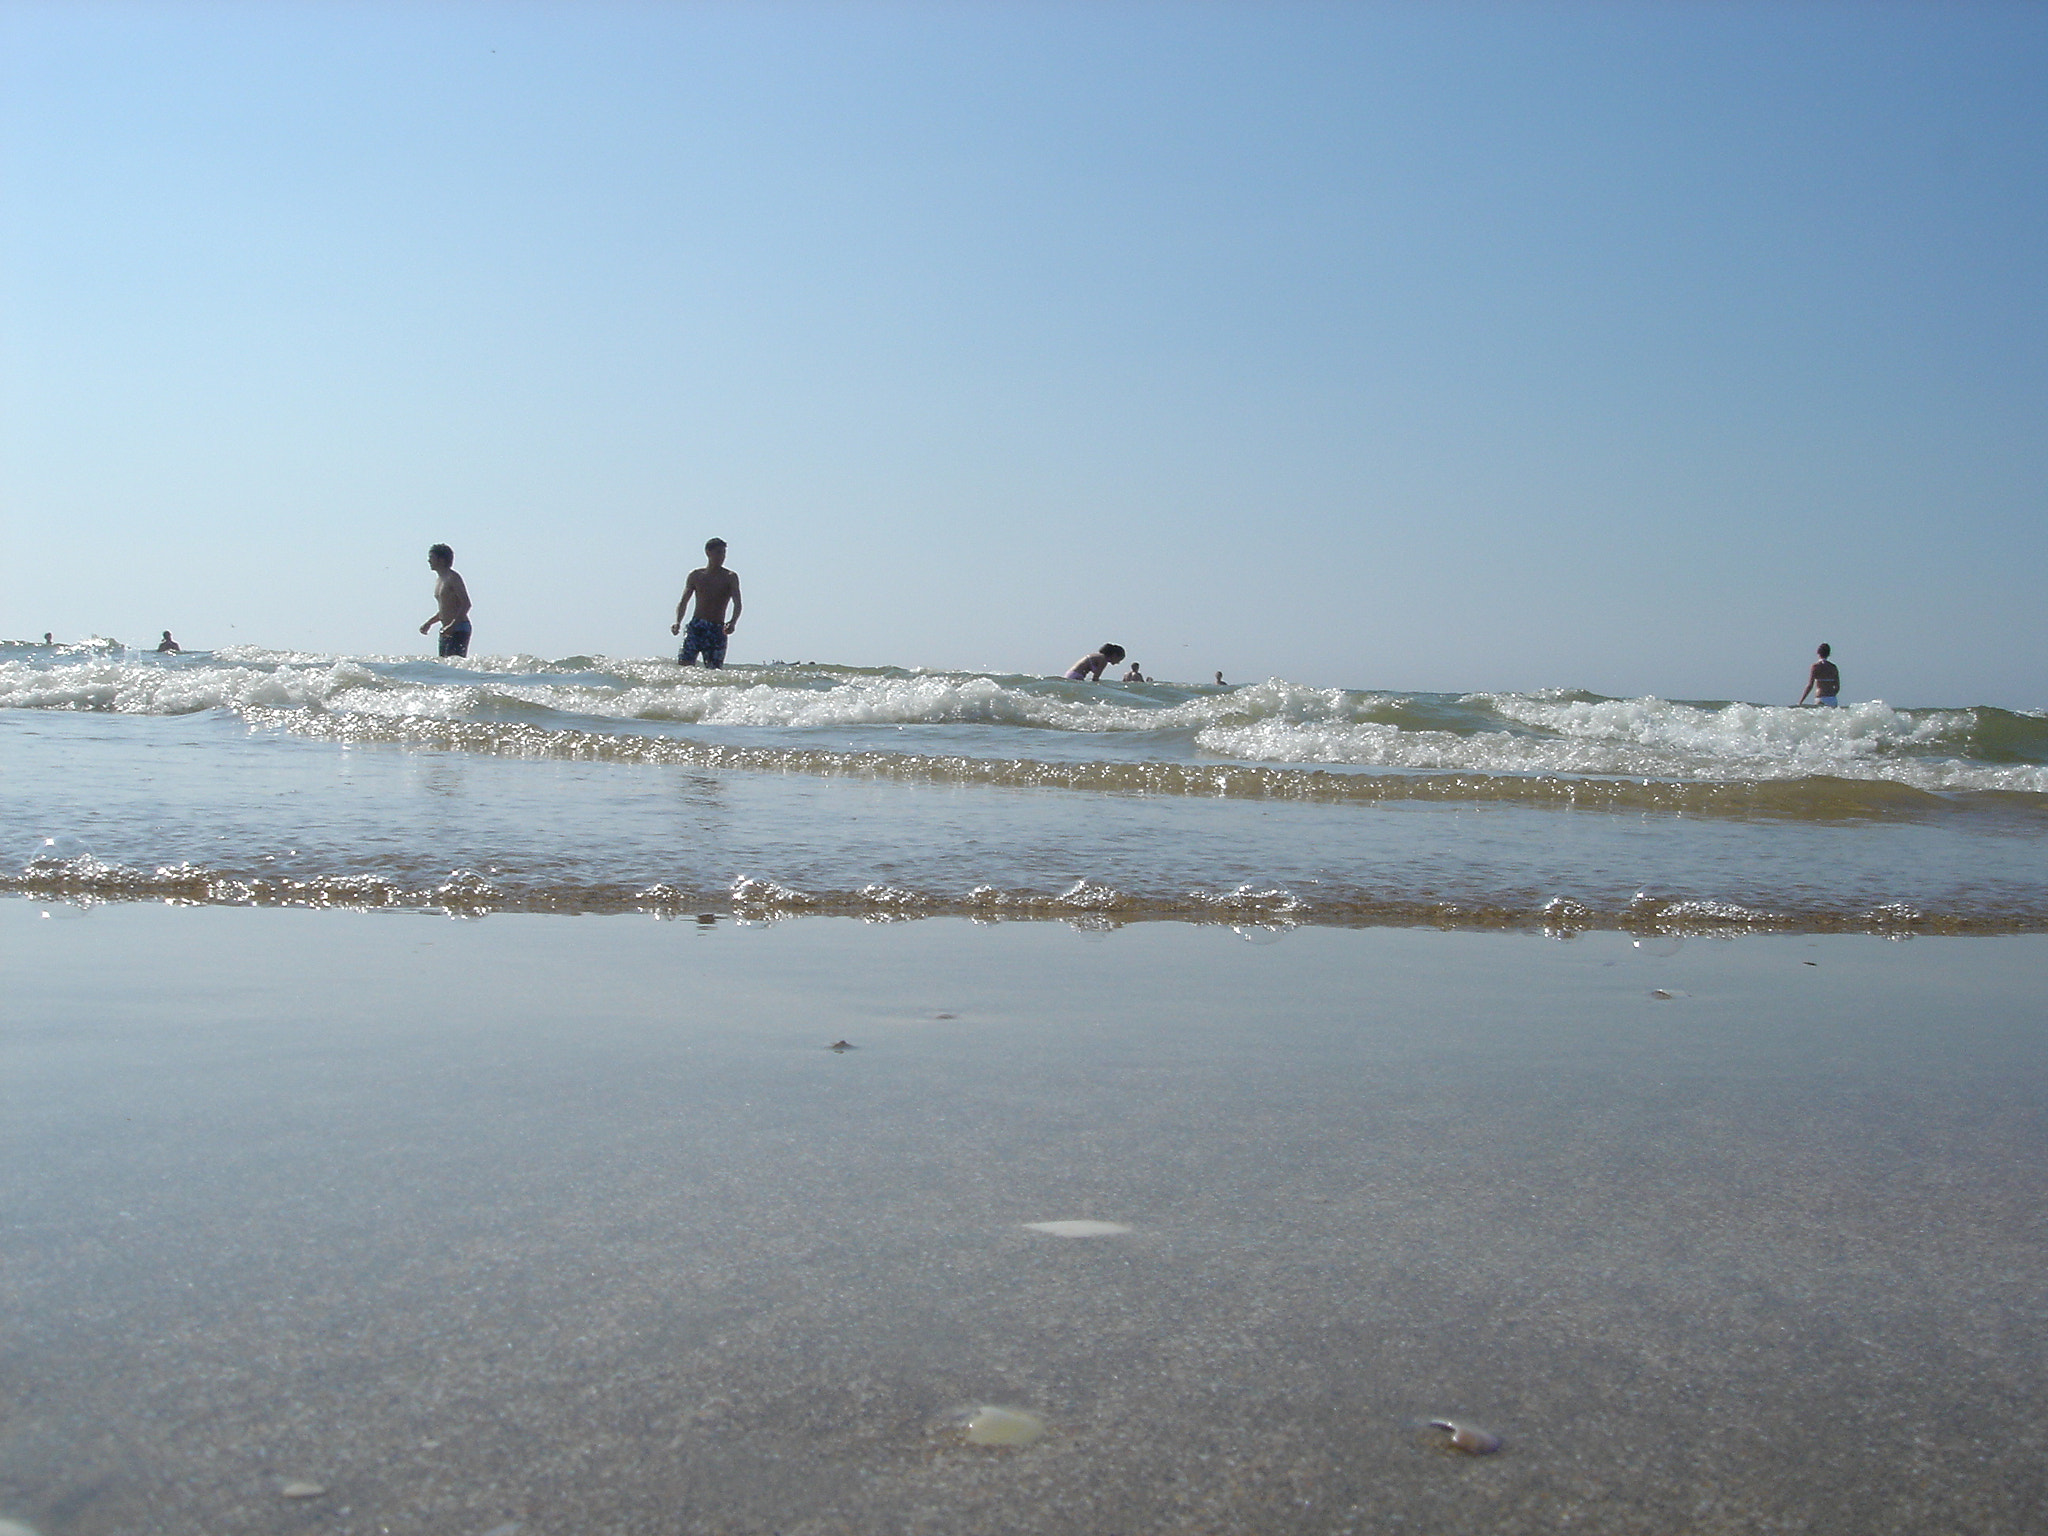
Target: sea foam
x: 1035, y: 723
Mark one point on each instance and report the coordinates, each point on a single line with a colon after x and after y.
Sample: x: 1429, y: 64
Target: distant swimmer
x: 46, y: 638
x: 452, y: 598
x: 1824, y: 681
x: 1135, y: 675
x: 713, y: 586
x: 1219, y: 681
x: 167, y: 646
x: 1090, y: 667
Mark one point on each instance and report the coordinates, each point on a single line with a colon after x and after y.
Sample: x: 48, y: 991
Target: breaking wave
x: 1274, y: 739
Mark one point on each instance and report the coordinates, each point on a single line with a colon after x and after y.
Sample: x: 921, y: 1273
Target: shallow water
x: 577, y: 1223
x: 598, y: 785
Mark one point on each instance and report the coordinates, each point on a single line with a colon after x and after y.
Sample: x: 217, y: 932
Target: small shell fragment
x: 1002, y: 1426
x: 1467, y: 1438
x: 298, y: 1489
x: 1078, y: 1228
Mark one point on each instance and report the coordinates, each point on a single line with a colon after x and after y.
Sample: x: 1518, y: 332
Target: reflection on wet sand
x: 568, y: 1224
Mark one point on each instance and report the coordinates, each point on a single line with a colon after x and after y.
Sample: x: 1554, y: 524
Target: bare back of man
x: 1825, y: 678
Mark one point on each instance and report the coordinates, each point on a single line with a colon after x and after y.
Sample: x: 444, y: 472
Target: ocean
x: 596, y: 784
x: 513, y: 1096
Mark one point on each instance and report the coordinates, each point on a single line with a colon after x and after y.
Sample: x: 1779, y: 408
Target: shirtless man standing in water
x: 713, y: 586
x: 1825, y: 676
x: 451, y: 598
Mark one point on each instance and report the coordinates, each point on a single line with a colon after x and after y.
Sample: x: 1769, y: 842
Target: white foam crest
x: 928, y: 700
x: 1372, y: 745
x: 936, y: 699
x: 750, y: 894
x: 1734, y: 730
x: 932, y: 699
x: 132, y: 688
x: 640, y: 689
x: 918, y: 700
x: 264, y: 656
x: 379, y: 697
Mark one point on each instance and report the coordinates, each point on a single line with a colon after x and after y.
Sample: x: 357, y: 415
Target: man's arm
x: 684, y: 602
x: 1809, y: 686
x: 733, y: 623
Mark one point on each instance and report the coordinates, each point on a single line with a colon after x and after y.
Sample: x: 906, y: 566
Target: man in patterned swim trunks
x: 713, y: 586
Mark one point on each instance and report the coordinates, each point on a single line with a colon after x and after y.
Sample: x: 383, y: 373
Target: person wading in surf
x: 713, y: 586
x: 451, y: 598
x: 1825, y: 677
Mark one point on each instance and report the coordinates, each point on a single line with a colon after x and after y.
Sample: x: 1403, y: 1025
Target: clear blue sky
x: 1636, y: 347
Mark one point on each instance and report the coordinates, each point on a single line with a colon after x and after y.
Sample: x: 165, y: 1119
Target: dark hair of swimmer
x: 1112, y: 650
x: 1824, y: 650
x: 441, y: 552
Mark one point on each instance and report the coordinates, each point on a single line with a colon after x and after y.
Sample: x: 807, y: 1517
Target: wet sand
x: 577, y: 1225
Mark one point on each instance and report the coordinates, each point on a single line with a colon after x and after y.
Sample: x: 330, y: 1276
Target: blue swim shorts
x: 1828, y: 701
x: 455, y: 639
x: 706, y: 636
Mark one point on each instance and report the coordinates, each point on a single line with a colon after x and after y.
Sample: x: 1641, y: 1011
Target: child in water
x: 1089, y: 668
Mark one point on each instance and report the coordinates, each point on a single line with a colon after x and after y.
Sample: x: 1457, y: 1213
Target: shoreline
x: 466, y: 894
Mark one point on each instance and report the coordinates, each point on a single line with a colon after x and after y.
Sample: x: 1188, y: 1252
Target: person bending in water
x: 1089, y: 668
x: 167, y: 646
x: 451, y: 600
x: 1824, y: 682
x: 713, y: 586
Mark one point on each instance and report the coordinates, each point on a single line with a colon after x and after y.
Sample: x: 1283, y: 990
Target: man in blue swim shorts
x: 451, y: 602
x: 713, y: 586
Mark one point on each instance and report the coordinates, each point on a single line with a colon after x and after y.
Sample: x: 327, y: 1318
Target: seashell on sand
x: 298, y: 1488
x: 1078, y: 1228
x: 1468, y: 1438
x: 990, y: 1425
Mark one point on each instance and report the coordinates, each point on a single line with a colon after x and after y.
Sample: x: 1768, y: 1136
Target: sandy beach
x: 557, y: 1224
